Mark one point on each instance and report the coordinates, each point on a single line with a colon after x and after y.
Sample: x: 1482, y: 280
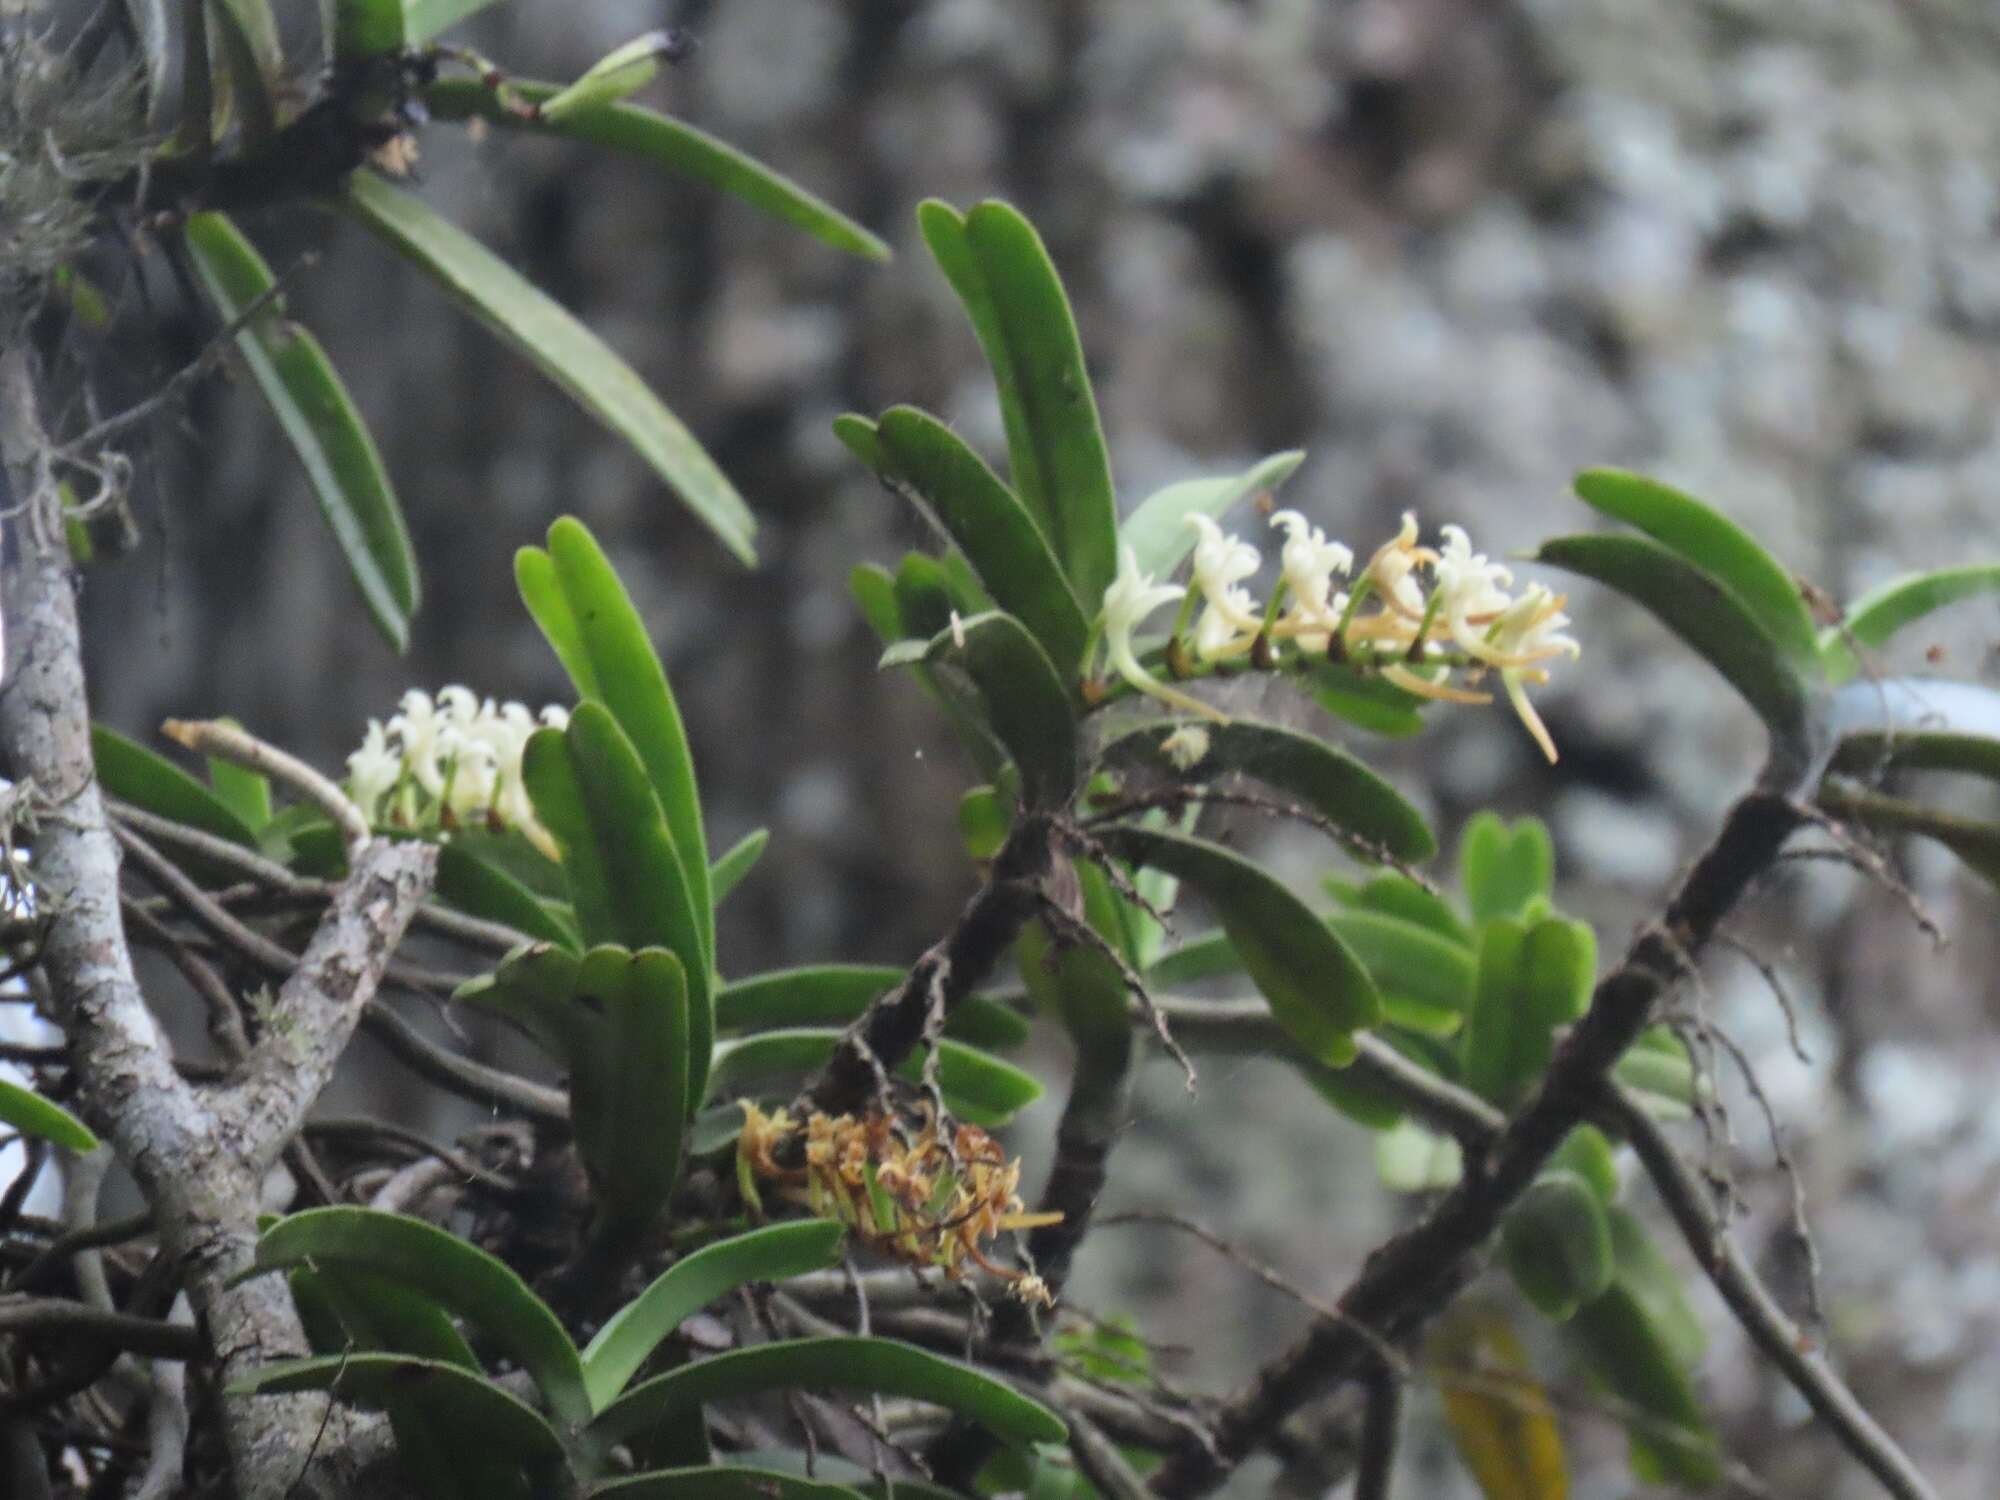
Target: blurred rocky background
x: 1454, y: 249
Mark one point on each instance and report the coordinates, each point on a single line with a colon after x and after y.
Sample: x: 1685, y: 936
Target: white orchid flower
x: 415, y: 728
x: 1132, y: 597
x: 1229, y: 619
x: 1472, y: 594
x: 1309, y: 562
x: 373, y: 771
x: 1528, y: 633
x: 1392, y: 566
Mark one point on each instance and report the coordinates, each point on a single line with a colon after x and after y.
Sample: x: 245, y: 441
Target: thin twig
x: 84, y: 1323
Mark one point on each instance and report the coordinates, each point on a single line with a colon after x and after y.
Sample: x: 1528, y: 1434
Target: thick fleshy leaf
x: 1365, y: 700
x: 129, y: 770
x: 629, y: 1337
x: 1713, y: 544
x: 381, y: 1315
x: 1413, y: 1158
x: 1586, y: 1152
x: 1317, y: 989
x: 452, y: 1272
x: 1426, y: 981
x: 319, y: 420
x: 834, y: 994
x: 481, y: 888
x: 30, y: 1113
x: 1920, y: 750
x: 1026, y: 704
x: 1658, y: 1069
x: 664, y: 142
x: 1501, y: 1419
x: 1505, y: 870
x: 1975, y: 841
x: 1534, y: 978
x: 244, y: 792
x: 916, y: 603
x: 625, y: 675
x: 1556, y: 1243
x: 424, y: 19
x: 367, y: 28
x: 1397, y: 895
x: 541, y: 589
x: 986, y: 520
x: 483, y: 1419
x: 592, y: 793
x: 730, y: 1483
x: 1157, y: 530
x: 998, y: 266
x: 1700, y: 610
x: 881, y: 1366
x: 1881, y: 612
x: 630, y: 1101
x: 978, y: 1086
x: 559, y: 346
x: 1325, y: 779
x: 735, y: 863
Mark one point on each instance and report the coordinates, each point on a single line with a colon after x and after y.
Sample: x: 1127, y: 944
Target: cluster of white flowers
x: 450, y: 762
x: 1435, y: 612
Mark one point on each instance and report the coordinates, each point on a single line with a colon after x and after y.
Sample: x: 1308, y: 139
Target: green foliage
x: 1504, y: 871
x: 834, y: 994
x: 1880, y: 613
x: 733, y: 866
x: 1157, y: 531
x: 1534, y: 978
x: 1556, y: 1242
x: 977, y: 1086
x: 31, y: 1114
x: 129, y: 770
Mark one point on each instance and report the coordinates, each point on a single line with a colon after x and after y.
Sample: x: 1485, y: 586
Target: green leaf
x: 866, y: 1364
x: 834, y: 994
x: 377, y: 1313
x: 367, y: 28
x: 996, y: 263
x: 1556, y: 1242
x: 456, y: 1275
x: 1157, y: 530
x: 129, y: 770
x: 918, y: 604
x: 1701, y: 611
x: 624, y: 70
x: 1881, y: 612
x: 629, y: 1337
x: 487, y: 1426
x: 1586, y: 1152
x: 874, y: 589
x: 424, y: 19
x: 1658, y: 1069
x: 592, y: 794
x: 320, y: 421
x: 248, y: 37
x: 736, y: 862
x: 630, y: 1099
x: 31, y: 1114
x: 1209, y: 956
x: 1713, y: 544
x: 1412, y: 1158
x: 1504, y: 871
x: 626, y: 676
x: 982, y: 1088
x: 1326, y: 780
x: 1026, y: 704
x: 1534, y: 978
x: 664, y: 142
x: 1919, y: 750
x: 1317, y: 989
x: 730, y: 1483
x: 559, y: 346
x: 1426, y: 981
x: 968, y: 502
x: 548, y: 604
x: 1399, y: 896
x: 244, y: 792
x: 984, y: 818
x: 1364, y: 700
x: 481, y: 888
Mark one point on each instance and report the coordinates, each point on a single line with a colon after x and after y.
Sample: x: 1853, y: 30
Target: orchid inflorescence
x: 925, y: 1193
x: 1415, y: 614
x: 450, y: 762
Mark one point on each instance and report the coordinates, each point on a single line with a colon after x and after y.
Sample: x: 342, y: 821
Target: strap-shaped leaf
x: 732, y: 1483
x: 1975, y: 841
x: 881, y: 596
x: 541, y: 589
x: 482, y: 889
x: 483, y: 1417
x: 246, y: 48
x: 424, y: 19
x: 626, y: 676
x: 592, y: 794
x: 972, y: 506
x: 453, y: 1273
x: 1920, y: 750
x: 319, y: 420
x: 1326, y: 779
x: 1713, y: 544
x: 1502, y: 870
x: 1317, y: 989
x: 834, y: 994
x: 1534, y: 977
x: 996, y: 263
x: 1426, y: 981
x: 1027, y: 707
x: 1881, y: 612
x: 984, y: 1089
x: 1701, y: 611
x: 31, y: 1114
x: 735, y: 864
x: 619, y: 73
x: 243, y: 791
x: 629, y: 1337
x: 1157, y: 530
x: 629, y: 1096
x: 379, y: 1314
x: 576, y: 359
x: 665, y: 142
x: 882, y: 1366
x: 129, y: 770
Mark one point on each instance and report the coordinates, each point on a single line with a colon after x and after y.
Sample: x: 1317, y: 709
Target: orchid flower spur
x: 1131, y: 597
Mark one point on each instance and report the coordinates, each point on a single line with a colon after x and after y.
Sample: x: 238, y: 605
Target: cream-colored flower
x: 1130, y: 599
x: 373, y: 771
x: 1472, y: 594
x: 1186, y: 747
x: 1529, y: 633
x: 1392, y: 566
x: 1309, y: 562
x: 415, y: 728
x: 1229, y: 618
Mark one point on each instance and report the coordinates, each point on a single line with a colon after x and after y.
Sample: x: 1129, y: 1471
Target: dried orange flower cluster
x: 899, y: 1184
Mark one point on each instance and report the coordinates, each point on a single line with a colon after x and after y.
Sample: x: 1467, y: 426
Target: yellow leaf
x: 1499, y: 1416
